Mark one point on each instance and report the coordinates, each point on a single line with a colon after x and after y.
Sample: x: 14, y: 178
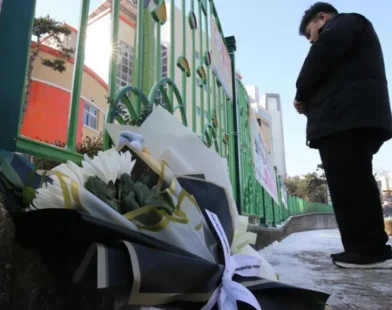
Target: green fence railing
x: 191, y: 89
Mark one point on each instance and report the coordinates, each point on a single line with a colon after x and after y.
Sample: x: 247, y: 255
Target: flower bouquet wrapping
x: 153, y: 219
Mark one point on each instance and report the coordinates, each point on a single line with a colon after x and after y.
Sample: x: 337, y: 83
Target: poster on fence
x: 263, y: 166
x: 283, y: 191
x: 220, y: 59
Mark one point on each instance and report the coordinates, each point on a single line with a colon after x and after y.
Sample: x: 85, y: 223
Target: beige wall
x: 91, y: 90
x: 98, y: 44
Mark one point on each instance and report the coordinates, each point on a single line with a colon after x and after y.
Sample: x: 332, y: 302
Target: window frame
x: 90, y: 115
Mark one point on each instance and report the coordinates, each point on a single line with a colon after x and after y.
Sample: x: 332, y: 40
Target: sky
x: 270, y: 54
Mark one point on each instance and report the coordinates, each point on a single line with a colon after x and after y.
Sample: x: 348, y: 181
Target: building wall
x: 253, y: 94
x: 47, y: 112
x: 98, y: 47
x: 385, y: 180
x: 98, y: 42
x: 44, y: 118
x: 272, y: 103
x: 261, y: 114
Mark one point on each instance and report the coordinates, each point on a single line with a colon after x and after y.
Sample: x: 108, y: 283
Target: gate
x: 200, y: 87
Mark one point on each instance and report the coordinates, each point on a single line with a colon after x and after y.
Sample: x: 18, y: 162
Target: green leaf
x: 129, y: 203
x: 104, y: 192
x: 28, y: 195
x: 111, y: 190
x: 160, y: 200
x: 142, y: 192
x: 125, y: 185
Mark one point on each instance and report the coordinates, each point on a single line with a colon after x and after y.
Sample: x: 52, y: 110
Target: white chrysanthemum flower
x: 71, y: 170
x: 108, y: 166
x: 51, y: 195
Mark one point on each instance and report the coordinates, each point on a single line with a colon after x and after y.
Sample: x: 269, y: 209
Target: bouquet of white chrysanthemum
x: 160, y: 220
x: 115, y: 187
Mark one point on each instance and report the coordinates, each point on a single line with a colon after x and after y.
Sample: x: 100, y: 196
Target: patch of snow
x: 302, y: 260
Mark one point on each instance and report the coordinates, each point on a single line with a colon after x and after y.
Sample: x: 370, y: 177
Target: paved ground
x: 303, y: 260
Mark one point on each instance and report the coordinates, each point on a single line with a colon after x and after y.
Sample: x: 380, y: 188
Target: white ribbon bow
x: 230, y: 291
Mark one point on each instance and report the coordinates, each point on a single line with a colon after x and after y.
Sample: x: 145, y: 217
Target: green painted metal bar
x: 277, y: 205
x: 46, y: 151
x: 263, y: 222
x: 217, y: 21
x: 273, y: 213
x: 231, y: 157
x: 158, y: 53
x: 215, y: 100
x: 172, y: 46
x: 115, y: 26
x: 14, y: 60
x: 220, y: 120
x: 184, y: 28
x: 77, y: 77
x: 224, y: 119
x: 201, y: 52
x: 232, y: 48
x: 139, y: 43
x: 193, y: 74
x: 150, y: 44
x: 207, y: 36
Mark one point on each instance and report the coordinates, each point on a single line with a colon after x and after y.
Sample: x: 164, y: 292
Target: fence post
x: 77, y: 77
x: 263, y: 222
x: 273, y: 212
x: 279, y: 219
x: 16, y: 21
x: 232, y: 47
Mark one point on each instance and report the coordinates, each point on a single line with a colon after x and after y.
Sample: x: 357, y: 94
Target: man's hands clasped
x: 299, y: 106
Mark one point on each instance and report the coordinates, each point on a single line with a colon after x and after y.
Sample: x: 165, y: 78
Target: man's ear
x: 323, y: 16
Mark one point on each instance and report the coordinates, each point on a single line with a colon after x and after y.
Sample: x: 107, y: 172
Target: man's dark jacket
x: 343, y: 82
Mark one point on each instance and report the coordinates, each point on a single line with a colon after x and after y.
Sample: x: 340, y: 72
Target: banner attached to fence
x: 220, y: 59
x: 263, y: 166
x: 283, y: 191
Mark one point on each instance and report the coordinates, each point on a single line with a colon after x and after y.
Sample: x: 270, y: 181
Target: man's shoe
x: 360, y: 261
x: 336, y: 255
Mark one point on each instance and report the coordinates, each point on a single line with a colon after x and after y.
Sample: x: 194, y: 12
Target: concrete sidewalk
x: 302, y: 260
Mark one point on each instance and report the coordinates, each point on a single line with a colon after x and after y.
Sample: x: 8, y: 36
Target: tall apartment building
x: 272, y: 104
x: 262, y: 116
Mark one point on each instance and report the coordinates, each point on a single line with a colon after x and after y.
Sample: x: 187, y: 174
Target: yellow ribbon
x: 65, y: 190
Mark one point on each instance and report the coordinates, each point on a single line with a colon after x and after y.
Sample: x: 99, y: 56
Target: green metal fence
x: 223, y: 123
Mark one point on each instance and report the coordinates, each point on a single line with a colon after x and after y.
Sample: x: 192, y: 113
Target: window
x: 124, y: 72
x: 197, y: 54
x: 198, y: 110
x: 90, y: 116
x: 164, y: 61
x: 164, y: 72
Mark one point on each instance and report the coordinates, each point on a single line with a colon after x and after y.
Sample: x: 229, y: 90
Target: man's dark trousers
x: 347, y: 159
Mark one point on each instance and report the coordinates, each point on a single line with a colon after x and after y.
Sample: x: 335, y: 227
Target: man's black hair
x: 312, y: 12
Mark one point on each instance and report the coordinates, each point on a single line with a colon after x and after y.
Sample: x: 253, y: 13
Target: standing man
x: 342, y: 89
